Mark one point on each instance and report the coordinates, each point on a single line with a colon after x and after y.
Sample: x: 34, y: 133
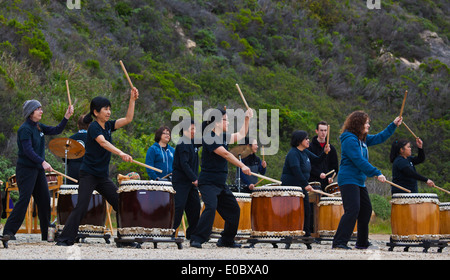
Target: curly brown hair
x: 355, y: 122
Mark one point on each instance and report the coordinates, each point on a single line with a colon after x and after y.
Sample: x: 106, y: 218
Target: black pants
x: 31, y: 182
x: 357, y: 207
x: 186, y: 200
x: 220, y: 198
x: 88, y: 183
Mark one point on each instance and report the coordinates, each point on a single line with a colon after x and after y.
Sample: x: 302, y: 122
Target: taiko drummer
x: 214, y: 170
x: 94, y: 171
x: 31, y: 167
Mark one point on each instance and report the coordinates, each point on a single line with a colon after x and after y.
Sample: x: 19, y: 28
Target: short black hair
x: 160, y: 131
x: 297, y: 137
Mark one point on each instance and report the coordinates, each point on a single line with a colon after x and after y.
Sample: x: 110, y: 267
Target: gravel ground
x: 29, y: 247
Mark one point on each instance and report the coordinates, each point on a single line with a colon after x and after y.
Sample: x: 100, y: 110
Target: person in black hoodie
x: 185, y: 178
x: 403, y: 171
x: 319, y: 169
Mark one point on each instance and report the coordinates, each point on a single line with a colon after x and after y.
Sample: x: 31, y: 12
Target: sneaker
x: 341, y: 246
x: 368, y: 246
x: 221, y: 243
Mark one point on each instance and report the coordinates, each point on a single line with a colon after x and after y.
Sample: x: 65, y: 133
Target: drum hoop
x: 315, y: 183
x: 244, y: 197
x: 444, y: 206
x: 71, y: 189
x: 414, y: 198
x: 330, y: 201
x: 271, y: 191
x: 138, y: 185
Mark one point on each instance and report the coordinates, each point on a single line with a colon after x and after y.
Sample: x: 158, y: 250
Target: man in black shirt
x: 185, y: 178
x: 319, y: 169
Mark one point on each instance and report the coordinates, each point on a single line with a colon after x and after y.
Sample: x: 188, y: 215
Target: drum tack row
x: 270, y: 214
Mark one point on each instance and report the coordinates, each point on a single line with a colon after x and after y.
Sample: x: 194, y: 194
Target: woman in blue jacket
x: 160, y: 154
x: 353, y: 171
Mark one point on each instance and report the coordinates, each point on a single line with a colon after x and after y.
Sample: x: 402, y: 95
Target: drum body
x: 245, y: 226
x: 331, y: 210
x: 95, y: 218
x: 332, y: 188
x: 277, y: 211
x: 146, y: 208
x: 415, y: 216
x: 444, y: 220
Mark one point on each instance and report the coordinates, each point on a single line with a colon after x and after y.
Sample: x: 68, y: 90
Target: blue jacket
x: 355, y: 167
x: 159, y: 158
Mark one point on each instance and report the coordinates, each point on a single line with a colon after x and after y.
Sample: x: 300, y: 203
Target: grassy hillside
x: 311, y: 60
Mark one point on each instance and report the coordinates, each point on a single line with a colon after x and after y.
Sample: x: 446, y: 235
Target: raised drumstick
x: 126, y: 73
x: 407, y: 127
x: 242, y: 96
x: 68, y: 93
x: 328, y: 136
x: 403, y: 104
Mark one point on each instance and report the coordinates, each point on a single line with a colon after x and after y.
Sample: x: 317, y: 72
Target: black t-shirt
x: 214, y: 168
x: 96, y: 159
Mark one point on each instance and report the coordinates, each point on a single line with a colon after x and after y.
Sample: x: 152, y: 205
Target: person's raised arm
x: 134, y: 95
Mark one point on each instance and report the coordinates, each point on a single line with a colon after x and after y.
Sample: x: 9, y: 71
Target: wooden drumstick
x: 68, y: 93
x: 403, y: 104
x: 64, y: 175
x: 397, y: 186
x: 262, y: 152
x: 257, y: 183
x: 126, y: 73
x: 166, y: 176
x: 242, y: 96
x: 407, y: 127
x: 264, y: 177
x: 147, y: 166
x: 321, y: 192
x: 444, y: 190
x: 329, y: 172
x: 328, y: 136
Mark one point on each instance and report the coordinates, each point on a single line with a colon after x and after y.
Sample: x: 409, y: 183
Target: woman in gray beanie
x: 31, y: 167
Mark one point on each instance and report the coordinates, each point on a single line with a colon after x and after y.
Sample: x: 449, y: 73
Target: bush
x: 380, y: 206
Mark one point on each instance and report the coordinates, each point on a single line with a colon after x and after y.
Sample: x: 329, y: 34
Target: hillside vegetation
x: 311, y: 60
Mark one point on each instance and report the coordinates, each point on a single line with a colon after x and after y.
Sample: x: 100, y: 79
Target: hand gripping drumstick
x: 147, y: 166
x: 242, y: 96
x: 403, y: 104
x: 68, y: 93
x: 126, y: 73
x: 444, y: 190
x: 64, y: 175
x: 397, y: 186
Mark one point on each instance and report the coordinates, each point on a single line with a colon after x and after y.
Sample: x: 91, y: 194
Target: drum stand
x: 287, y: 240
x: 137, y: 241
x: 426, y: 244
x: 238, y: 176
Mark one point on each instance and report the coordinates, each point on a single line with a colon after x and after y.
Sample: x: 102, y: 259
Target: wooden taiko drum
x: 245, y: 226
x: 415, y: 216
x: 331, y: 210
x: 444, y: 220
x: 93, y: 222
x: 332, y: 188
x: 277, y: 211
x: 146, y: 209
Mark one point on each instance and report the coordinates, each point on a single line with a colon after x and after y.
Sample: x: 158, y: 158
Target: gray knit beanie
x: 29, y: 106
